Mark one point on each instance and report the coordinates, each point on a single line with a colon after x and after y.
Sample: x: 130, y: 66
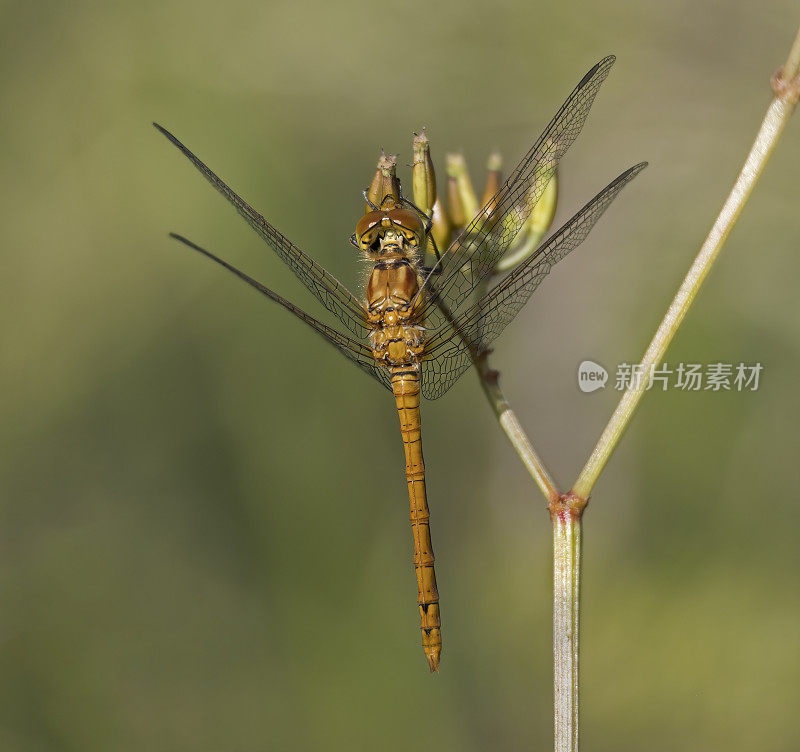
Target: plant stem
x: 566, y: 510
x: 566, y: 616
x: 792, y: 66
x: 513, y: 430
x: 507, y: 418
x: 786, y: 90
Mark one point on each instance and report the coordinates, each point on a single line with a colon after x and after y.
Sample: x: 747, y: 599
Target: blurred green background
x: 205, y: 540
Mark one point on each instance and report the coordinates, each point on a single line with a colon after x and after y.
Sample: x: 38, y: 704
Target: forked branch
x: 567, y: 509
x: 786, y: 85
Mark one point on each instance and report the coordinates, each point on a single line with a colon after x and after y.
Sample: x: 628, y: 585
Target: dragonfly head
x: 390, y: 229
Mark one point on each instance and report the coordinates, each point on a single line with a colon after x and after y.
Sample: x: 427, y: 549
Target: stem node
x: 786, y: 90
x: 567, y: 505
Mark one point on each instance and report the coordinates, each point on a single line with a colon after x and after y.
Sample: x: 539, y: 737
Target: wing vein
x: 333, y: 295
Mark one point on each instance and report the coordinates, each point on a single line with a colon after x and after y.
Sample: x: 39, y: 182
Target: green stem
x: 566, y: 622
x: 566, y: 510
x: 514, y: 431
x: 507, y: 418
x: 792, y: 66
x: 778, y: 113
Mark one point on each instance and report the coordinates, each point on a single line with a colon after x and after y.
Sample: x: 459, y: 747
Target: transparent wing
x: 323, y: 285
x: 355, y: 351
x: 451, y: 349
x: 473, y: 256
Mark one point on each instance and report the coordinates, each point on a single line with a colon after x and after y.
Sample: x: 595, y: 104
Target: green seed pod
x: 441, y: 229
x: 542, y: 215
x: 493, y: 176
x: 535, y: 227
x: 455, y: 208
x: 462, y: 187
x: 423, y: 176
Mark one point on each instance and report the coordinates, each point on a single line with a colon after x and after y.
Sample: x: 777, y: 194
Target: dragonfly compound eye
x: 373, y: 227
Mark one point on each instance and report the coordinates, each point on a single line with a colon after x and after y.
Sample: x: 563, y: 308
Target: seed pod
x: 542, y: 215
x: 422, y: 174
x: 441, y: 229
x: 457, y: 168
x: 493, y: 166
x: 384, y: 182
x: 374, y: 190
x: 455, y: 208
x: 535, y: 227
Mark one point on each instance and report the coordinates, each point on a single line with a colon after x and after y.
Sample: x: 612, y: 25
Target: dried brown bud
x: 384, y: 182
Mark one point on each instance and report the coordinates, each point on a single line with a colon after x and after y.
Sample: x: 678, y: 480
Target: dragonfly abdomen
x: 406, y: 389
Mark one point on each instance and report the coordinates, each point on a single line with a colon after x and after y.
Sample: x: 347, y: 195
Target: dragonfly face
x: 390, y: 228
x: 427, y: 326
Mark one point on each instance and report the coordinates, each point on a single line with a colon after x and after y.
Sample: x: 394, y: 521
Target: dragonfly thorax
x: 392, y: 288
x: 395, y: 342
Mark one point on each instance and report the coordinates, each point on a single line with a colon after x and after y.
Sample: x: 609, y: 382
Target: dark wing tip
x: 605, y: 64
x: 186, y: 241
x: 636, y: 169
x: 624, y: 178
x: 189, y: 243
x: 169, y: 136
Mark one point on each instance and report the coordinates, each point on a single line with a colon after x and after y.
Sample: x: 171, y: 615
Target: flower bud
x: 384, y: 182
x: 535, y: 227
x: 441, y: 229
x: 423, y: 176
x: 455, y: 208
x: 461, y: 200
x: 542, y: 215
x: 493, y: 166
x: 425, y: 193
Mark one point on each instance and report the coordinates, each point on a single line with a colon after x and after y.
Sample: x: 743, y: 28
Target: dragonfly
x: 416, y: 329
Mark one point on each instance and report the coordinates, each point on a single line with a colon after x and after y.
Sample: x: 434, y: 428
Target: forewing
x: 473, y: 256
x: 355, y: 351
x: 323, y: 285
x: 451, y: 349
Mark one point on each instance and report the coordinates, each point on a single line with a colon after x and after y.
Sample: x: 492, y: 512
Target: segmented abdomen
x: 405, y: 385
